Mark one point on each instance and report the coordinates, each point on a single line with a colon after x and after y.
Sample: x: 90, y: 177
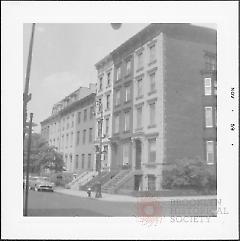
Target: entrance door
x: 138, y: 182
x: 138, y: 154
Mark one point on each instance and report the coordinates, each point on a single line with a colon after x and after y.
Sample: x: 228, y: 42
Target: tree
x: 42, y: 156
x: 190, y: 173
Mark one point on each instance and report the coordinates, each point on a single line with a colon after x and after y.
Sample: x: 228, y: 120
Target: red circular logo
x: 148, y: 211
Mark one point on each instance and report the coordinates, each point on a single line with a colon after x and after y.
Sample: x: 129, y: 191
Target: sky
x: 64, y: 55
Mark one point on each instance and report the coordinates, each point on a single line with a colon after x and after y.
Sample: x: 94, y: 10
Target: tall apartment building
x: 71, y: 129
x: 164, y: 101
x: 104, y: 97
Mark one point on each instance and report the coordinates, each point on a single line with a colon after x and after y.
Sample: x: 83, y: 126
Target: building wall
x: 64, y: 122
x: 84, y: 148
x: 104, y: 68
x: 184, y: 108
x: 125, y: 81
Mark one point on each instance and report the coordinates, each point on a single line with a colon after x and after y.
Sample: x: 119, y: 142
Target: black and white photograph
x: 122, y: 120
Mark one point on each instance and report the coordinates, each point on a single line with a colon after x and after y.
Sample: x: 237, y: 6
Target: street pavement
x: 65, y: 202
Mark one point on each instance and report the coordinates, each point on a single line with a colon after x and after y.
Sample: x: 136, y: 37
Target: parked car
x: 43, y: 184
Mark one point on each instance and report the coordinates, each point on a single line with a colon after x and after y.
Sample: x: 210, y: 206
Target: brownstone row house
x: 158, y: 92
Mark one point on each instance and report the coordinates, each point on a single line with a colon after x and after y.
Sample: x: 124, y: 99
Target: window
x: 71, y: 141
x: 152, y: 150
x: 152, y: 53
x: 151, y: 183
x: 139, y: 87
x: 99, y: 105
x: 127, y: 121
x: 210, y: 62
x: 207, y: 86
x: 127, y: 93
x: 109, y: 78
x: 89, y: 161
x: 99, y: 128
x: 116, y: 130
x: 83, y: 160
x: 139, y: 60
x: 85, y: 114
x: 128, y: 67
x: 118, y: 73
x: 126, y: 152
x: 91, y: 112
x: 72, y: 120
x: 152, y: 82
x: 78, y: 137
x: 76, y: 162
x: 210, y: 152
x: 79, y: 117
x: 152, y: 108
x: 84, y: 136
x: 108, y: 102
x: 67, y: 141
x: 100, y: 83
x: 107, y: 126
x: 118, y: 97
x: 90, y: 134
x: 105, y: 150
x: 139, y: 117
x: 208, y: 116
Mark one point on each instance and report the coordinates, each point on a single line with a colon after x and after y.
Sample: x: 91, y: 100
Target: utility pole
x: 28, y: 161
x: 26, y: 95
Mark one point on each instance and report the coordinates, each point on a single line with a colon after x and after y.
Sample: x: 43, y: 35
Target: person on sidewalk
x: 89, y: 190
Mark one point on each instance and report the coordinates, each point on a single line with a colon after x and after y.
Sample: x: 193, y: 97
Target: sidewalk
x: 125, y: 198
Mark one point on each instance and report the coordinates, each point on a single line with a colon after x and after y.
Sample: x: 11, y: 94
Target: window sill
x: 139, y: 97
x: 139, y: 69
x: 152, y: 62
x: 152, y: 126
x: 152, y: 92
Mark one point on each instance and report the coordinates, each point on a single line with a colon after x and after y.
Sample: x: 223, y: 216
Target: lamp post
x: 28, y: 162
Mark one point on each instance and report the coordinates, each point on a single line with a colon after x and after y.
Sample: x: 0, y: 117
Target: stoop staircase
x: 82, y: 179
x: 105, y: 177
x: 113, y: 184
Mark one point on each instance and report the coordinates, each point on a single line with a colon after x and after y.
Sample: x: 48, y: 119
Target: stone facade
x: 71, y: 129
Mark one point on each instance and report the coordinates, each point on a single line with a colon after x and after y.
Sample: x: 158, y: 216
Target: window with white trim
x: 210, y: 152
x: 118, y: 73
x: 152, y: 114
x: 127, y: 93
x: 128, y: 67
x: 152, y: 53
x: 116, y: 124
x: 208, y: 117
x: 152, y: 150
x: 152, y: 81
x: 127, y: 121
x: 139, y: 87
x: 139, y: 117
